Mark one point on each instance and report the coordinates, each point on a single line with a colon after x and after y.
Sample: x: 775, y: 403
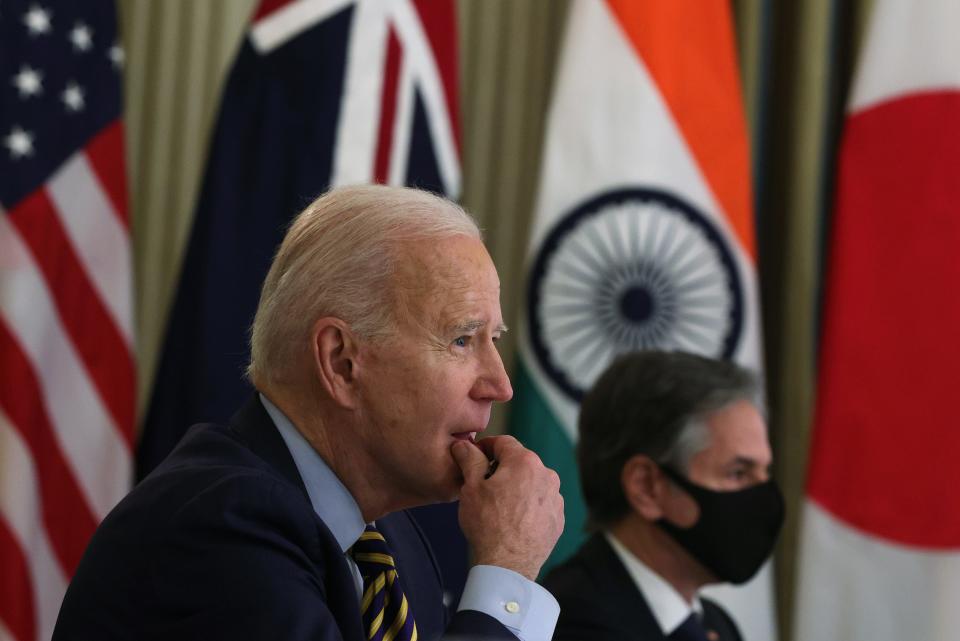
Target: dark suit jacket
x: 221, y: 542
x: 599, y: 600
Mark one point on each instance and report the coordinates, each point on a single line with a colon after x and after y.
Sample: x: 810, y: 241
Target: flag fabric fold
x: 880, y: 541
x: 643, y: 229
x: 67, y: 397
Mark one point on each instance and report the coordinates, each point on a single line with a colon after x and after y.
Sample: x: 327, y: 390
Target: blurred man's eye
x: 739, y: 474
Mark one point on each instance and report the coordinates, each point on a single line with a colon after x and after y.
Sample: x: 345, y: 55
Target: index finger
x: 495, y: 447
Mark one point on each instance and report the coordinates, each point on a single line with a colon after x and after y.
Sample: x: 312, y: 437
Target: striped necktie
x: 384, y: 608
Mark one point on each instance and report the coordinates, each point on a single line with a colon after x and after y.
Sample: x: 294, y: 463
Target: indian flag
x: 643, y: 235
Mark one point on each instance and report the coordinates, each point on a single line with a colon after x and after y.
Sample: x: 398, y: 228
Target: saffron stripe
x: 90, y: 327
x: 701, y: 72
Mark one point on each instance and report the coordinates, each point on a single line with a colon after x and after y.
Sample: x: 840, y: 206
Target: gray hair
x: 337, y: 259
x: 694, y: 436
x: 654, y: 403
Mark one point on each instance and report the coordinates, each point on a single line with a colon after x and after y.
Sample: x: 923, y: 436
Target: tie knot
x: 371, y: 553
x: 690, y: 630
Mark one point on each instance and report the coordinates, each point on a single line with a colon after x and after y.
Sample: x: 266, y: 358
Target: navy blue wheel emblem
x: 630, y: 269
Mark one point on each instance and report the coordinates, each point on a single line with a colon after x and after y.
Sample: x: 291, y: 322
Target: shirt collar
x: 668, y: 607
x: 330, y: 498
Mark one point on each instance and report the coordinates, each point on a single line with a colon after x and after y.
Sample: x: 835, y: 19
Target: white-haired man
x: 373, y: 354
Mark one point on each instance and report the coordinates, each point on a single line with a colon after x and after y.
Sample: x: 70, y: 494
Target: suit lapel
x: 619, y: 589
x: 418, y: 573
x: 258, y: 432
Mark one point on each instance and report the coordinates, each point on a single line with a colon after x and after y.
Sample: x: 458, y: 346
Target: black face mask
x: 736, y: 530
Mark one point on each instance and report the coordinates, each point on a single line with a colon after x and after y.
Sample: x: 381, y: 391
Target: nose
x: 492, y: 382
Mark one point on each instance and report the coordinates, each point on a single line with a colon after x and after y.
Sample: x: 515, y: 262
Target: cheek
x: 683, y: 509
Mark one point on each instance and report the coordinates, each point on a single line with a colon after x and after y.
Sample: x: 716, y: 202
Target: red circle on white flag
x: 885, y: 455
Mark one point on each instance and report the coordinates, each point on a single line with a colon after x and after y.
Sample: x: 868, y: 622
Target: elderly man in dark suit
x: 375, y: 362
x: 674, y: 462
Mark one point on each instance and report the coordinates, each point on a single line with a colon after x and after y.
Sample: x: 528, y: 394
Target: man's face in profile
x: 434, y: 381
x: 738, y: 456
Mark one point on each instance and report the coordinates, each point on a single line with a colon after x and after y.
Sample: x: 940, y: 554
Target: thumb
x: 473, y: 462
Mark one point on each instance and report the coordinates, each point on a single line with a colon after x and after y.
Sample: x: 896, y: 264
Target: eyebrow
x: 751, y: 462
x: 473, y: 325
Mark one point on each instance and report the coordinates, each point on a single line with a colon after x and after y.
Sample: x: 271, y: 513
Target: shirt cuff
x: 527, y: 609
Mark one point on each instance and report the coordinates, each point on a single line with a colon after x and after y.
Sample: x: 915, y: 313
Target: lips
x: 465, y: 436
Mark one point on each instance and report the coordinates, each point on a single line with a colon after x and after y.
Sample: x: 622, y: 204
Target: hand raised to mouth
x: 512, y: 519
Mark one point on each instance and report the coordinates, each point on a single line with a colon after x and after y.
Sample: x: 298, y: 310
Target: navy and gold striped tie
x: 386, y: 613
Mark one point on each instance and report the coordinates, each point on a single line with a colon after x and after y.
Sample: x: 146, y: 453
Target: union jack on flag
x: 67, y: 378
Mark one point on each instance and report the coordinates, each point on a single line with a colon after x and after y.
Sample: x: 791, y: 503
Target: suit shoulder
x: 574, y: 576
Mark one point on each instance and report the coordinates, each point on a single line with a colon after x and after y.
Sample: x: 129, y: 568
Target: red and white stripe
x: 67, y: 402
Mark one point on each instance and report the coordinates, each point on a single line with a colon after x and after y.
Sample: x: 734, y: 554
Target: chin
x: 444, y: 488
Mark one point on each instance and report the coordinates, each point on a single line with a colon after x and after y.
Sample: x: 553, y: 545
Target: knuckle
x: 554, y: 479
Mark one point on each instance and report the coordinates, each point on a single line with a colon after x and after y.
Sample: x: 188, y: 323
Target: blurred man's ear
x: 334, y: 358
x: 644, y: 486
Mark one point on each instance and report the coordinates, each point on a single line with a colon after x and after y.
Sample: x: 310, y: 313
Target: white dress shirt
x: 669, y: 608
x: 524, y: 607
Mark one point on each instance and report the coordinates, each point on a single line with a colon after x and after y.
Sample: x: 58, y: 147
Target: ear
x: 334, y: 358
x: 644, y: 486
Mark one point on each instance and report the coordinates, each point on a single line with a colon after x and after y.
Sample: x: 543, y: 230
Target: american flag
x: 67, y: 380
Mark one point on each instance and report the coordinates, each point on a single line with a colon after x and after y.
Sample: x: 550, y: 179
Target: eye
x: 461, y: 341
x: 739, y: 474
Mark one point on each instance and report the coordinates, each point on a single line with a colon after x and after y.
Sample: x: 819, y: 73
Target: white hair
x: 693, y: 438
x: 337, y: 259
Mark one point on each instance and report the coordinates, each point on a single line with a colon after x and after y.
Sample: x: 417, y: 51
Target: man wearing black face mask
x: 674, y: 463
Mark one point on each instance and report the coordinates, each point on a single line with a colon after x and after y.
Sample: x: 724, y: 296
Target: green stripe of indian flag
x: 535, y: 425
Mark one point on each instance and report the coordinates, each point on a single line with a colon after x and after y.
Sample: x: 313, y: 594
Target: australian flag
x: 323, y: 93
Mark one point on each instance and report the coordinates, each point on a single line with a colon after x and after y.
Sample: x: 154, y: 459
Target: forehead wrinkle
x: 437, y: 292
